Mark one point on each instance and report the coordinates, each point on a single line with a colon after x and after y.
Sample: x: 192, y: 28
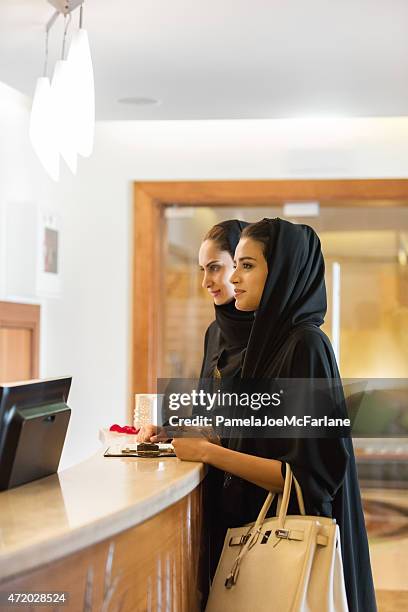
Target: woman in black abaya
x: 225, y: 342
x: 280, y: 274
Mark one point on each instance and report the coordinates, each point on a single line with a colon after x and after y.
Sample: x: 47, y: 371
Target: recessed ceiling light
x: 140, y: 101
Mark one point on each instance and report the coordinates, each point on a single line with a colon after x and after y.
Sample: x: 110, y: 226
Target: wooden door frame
x: 15, y: 315
x: 149, y: 201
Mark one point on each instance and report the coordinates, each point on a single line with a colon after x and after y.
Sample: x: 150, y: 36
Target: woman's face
x: 217, y: 267
x: 250, y: 274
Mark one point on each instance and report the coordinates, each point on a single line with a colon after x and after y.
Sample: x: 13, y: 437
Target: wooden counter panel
x: 153, y: 566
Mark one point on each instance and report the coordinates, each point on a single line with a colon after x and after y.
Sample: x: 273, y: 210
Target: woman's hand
x: 151, y: 433
x: 196, y: 448
x: 191, y: 449
x: 146, y: 432
x: 205, y: 432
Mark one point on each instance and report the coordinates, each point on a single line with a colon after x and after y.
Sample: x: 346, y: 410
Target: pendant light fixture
x: 42, y: 120
x: 83, y: 102
x: 62, y: 94
x: 62, y: 118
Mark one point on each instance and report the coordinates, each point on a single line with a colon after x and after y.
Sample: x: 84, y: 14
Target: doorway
x: 348, y: 209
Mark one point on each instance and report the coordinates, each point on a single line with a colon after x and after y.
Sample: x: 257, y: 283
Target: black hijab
x: 229, y: 333
x: 294, y: 294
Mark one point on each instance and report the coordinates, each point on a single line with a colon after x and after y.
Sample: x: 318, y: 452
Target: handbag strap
x: 282, y: 508
x: 286, y: 496
x: 299, y: 496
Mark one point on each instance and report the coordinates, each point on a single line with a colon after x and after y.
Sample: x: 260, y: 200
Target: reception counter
x: 111, y: 533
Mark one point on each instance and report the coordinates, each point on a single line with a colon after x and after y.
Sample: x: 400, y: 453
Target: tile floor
x: 386, y: 512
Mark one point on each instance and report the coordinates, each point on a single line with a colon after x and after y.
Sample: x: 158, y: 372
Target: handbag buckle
x: 230, y: 581
x: 239, y: 541
x: 282, y: 533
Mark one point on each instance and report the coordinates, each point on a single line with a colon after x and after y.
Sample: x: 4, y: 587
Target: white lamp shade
x: 83, y: 107
x: 62, y: 96
x: 42, y: 128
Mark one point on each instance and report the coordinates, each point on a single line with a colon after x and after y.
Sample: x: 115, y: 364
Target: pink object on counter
x: 127, y: 429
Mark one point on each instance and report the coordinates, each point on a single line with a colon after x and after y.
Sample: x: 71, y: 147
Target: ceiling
x: 226, y: 59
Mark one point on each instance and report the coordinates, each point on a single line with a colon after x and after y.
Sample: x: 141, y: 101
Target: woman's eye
x: 215, y: 268
x: 247, y: 266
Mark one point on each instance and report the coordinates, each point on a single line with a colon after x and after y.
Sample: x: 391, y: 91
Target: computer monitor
x: 34, y: 417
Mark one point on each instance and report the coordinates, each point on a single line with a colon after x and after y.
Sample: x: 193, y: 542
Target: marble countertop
x: 96, y: 499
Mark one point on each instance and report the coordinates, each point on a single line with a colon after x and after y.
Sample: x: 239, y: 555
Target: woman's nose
x: 206, y: 281
x: 234, y: 277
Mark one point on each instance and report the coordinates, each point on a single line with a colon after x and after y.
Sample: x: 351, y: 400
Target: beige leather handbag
x: 285, y: 564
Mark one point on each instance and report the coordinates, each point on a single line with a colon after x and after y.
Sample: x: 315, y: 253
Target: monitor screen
x: 34, y: 417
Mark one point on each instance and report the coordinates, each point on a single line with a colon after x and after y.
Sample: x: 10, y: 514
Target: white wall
x: 25, y: 186
x: 16, y: 181
x: 86, y: 332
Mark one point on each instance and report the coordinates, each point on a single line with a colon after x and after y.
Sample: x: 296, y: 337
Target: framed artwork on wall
x: 48, y: 255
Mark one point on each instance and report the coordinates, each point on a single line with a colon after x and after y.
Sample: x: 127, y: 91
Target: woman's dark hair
x: 261, y: 232
x: 219, y: 235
